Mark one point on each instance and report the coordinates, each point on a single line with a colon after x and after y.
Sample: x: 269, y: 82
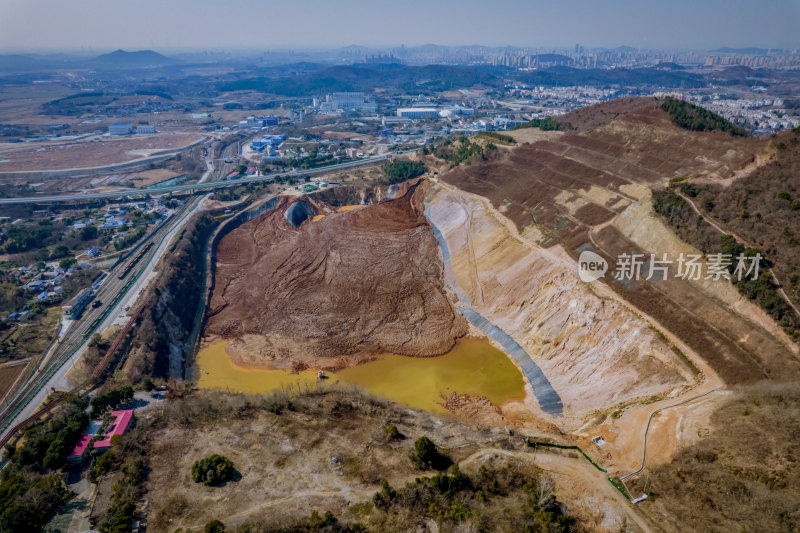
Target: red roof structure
x: 123, y: 418
x: 80, y: 448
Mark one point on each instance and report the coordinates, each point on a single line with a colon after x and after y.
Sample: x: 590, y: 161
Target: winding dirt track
x: 705, y: 217
x: 572, y: 468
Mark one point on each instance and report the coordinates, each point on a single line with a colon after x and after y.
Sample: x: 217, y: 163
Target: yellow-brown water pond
x: 473, y: 366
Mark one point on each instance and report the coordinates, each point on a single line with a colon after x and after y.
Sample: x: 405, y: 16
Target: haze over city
x: 206, y: 24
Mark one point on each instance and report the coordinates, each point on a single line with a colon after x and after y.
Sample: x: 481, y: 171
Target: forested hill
x: 414, y: 79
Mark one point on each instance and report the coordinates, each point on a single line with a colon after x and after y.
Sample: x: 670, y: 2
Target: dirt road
x: 567, y: 470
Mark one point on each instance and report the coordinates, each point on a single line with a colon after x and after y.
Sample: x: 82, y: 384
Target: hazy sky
x: 207, y: 24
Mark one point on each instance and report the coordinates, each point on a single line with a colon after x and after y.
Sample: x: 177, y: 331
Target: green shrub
x: 212, y: 470
x: 383, y: 499
x: 391, y: 433
x: 319, y: 522
x: 425, y: 452
x: 215, y: 526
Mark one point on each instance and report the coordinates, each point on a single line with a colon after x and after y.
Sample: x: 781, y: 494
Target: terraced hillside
x: 590, y: 189
x: 594, y: 351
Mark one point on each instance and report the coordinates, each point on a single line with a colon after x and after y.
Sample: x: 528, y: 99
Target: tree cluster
x: 545, y: 124
x: 30, y: 493
x: 696, y: 118
x: 402, y: 170
x: 212, y: 470
x: 110, y: 399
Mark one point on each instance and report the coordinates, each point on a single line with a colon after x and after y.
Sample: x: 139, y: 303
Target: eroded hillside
x: 575, y: 190
x: 354, y: 282
x: 594, y: 351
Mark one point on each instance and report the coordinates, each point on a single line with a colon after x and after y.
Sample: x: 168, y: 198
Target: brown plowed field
x: 570, y: 187
x: 353, y: 282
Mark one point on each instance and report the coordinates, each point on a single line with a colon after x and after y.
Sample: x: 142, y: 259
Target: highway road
x: 114, y: 293
x: 208, y: 185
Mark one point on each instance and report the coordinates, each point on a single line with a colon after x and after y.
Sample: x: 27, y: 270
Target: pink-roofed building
x: 80, y: 449
x: 122, y: 421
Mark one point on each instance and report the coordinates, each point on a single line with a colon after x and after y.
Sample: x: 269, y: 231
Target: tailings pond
x: 473, y: 366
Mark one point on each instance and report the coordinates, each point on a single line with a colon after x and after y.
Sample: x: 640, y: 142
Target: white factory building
x: 418, y: 112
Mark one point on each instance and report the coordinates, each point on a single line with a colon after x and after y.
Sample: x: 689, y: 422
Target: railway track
x: 116, y: 288
x: 97, y: 372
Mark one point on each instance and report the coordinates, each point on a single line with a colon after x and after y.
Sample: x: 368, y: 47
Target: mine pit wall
x: 334, y: 196
x: 360, y: 194
x: 593, y: 351
x: 224, y: 229
x: 546, y: 396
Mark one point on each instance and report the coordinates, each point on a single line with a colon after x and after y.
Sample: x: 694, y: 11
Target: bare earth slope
x: 594, y: 352
x: 573, y: 189
x: 368, y: 279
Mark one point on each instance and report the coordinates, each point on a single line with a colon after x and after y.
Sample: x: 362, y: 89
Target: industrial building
x: 145, y: 128
x: 120, y: 129
x: 418, y: 112
x: 267, y: 141
x: 253, y: 122
x: 344, y: 102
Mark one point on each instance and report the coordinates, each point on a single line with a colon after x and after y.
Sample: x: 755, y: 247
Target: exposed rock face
x: 594, y: 352
x: 350, y: 283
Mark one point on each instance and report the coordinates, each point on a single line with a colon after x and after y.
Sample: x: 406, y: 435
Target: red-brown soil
x: 353, y: 282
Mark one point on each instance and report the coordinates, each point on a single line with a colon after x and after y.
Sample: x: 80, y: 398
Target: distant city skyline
x: 305, y: 24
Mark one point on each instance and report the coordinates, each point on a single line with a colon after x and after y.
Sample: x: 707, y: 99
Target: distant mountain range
x: 431, y: 78
x: 141, y: 58
x: 745, y: 51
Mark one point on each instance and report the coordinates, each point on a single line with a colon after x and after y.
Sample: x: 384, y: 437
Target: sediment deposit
x: 322, y: 294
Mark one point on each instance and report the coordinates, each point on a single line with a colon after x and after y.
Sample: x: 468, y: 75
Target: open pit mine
x: 358, y: 283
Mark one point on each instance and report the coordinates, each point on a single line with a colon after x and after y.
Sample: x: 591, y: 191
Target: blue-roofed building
x: 120, y: 129
x: 35, y: 285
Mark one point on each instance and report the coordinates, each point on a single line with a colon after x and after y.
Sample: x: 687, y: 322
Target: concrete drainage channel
x: 547, y: 398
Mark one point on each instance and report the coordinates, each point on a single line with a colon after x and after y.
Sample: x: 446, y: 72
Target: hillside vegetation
x: 169, y: 316
x: 743, y: 476
x: 696, y: 118
x: 332, y: 449
x: 545, y: 124
x: 31, y: 490
x: 412, y: 79
x: 762, y: 211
